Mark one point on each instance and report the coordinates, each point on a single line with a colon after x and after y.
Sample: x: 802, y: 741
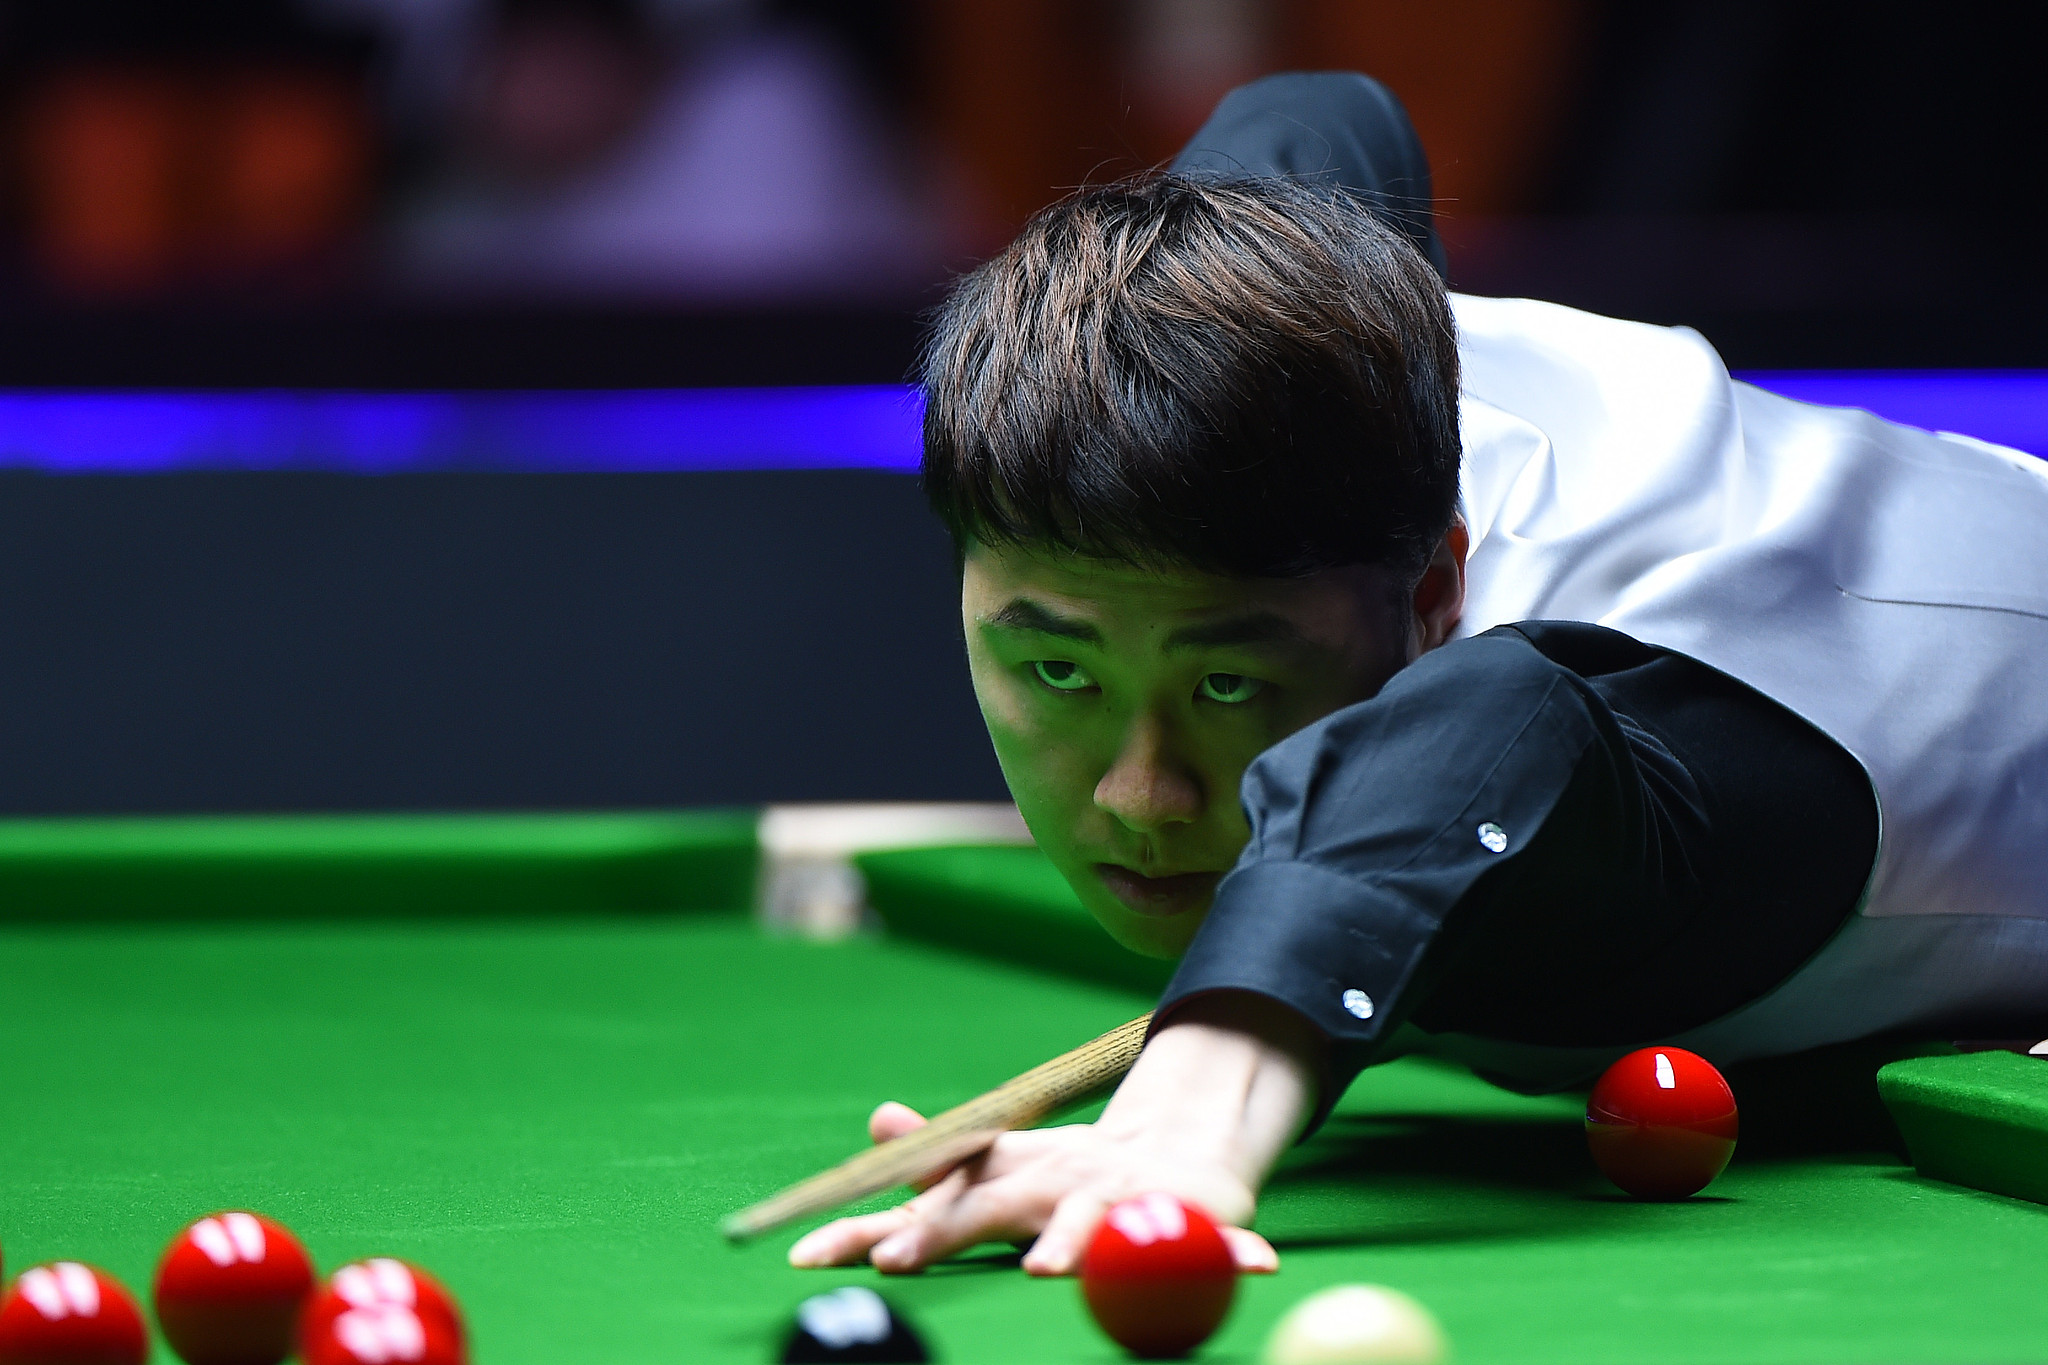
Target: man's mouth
x: 1175, y: 894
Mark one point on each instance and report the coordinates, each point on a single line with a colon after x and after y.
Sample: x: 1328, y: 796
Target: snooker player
x: 1465, y: 672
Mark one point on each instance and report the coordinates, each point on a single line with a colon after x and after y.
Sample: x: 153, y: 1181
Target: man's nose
x: 1149, y: 786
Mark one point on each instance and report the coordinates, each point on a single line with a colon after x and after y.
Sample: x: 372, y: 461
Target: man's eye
x: 1229, y: 688
x: 1062, y: 675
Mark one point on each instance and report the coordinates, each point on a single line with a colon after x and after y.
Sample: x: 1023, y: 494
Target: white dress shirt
x: 1888, y: 584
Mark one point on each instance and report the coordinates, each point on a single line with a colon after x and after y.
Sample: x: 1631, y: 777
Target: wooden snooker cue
x: 955, y: 1135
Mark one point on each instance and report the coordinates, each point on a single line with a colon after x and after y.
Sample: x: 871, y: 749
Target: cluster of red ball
x: 234, y: 1289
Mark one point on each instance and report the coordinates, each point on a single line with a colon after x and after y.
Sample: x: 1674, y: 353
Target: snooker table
x: 542, y: 1055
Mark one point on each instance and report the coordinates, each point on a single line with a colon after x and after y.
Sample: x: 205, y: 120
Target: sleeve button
x: 1493, y: 838
x: 1357, y: 1003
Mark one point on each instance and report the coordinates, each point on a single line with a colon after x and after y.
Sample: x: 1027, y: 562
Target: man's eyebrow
x: 1021, y: 613
x: 1253, y: 629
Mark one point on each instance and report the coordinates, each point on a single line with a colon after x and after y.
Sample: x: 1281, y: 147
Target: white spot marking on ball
x: 81, y: 1290
x: 247, y: 1234
x: 853, y: 1316
x: 1150, y: 1218
x: 213, y: 1241
x: 382, y: 1333
x: 42, y: 1290
x: 355, y: 1286
x: 393, y: 1281
x: 379, y: 1280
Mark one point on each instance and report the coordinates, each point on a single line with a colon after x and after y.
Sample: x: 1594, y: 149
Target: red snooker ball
x: 229, y: 1290
x: 383, y: 1296
x: 71, y: 1314
x: 1158, y: 1276
x: 1661, y: 1123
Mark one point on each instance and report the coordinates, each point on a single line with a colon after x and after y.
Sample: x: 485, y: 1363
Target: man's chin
x: 1148, y: 935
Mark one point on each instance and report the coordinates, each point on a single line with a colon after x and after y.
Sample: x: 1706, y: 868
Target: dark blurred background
x: 649, y: 193
x: 1812, y: 183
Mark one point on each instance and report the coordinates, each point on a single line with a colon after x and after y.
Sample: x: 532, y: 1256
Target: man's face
x: 1126, y: 702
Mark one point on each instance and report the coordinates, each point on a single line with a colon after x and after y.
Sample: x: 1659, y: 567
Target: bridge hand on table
x: 1206, y: 1110
x: 1048, y: 1184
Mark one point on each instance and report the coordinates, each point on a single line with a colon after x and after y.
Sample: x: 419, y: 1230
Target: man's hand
x: 1214, y: 1098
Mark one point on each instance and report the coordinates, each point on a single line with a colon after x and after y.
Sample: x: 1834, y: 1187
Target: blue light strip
x: 873, y: 427
x: 394, y: 433
x: 2005, y: 407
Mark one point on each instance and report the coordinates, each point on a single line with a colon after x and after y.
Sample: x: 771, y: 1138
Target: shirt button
x: 1357, y: 1003
x: 1493, y: 838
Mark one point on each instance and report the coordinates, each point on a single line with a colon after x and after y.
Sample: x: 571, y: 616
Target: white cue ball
x: 1357, y: 1324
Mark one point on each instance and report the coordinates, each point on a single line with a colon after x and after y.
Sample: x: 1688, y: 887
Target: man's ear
x: 1439, y: 599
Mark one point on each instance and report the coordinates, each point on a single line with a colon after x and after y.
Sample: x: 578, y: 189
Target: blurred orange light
x: 137, y: 179
x: 101, y: 159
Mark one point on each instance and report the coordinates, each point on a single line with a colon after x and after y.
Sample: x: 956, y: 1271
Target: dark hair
x: 1249, y: 377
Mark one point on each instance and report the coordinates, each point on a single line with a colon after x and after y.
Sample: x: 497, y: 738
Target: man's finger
x: 987, y: 1211
x: 845, y: 1241
x: 1058, y: 1249
x: 892, y: 1120
x: 1254, y: 1254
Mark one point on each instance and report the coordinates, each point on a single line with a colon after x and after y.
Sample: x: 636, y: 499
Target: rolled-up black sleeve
x: 1549, y: 833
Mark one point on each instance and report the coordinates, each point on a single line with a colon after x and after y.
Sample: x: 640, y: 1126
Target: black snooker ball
x: 851, y: 1324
